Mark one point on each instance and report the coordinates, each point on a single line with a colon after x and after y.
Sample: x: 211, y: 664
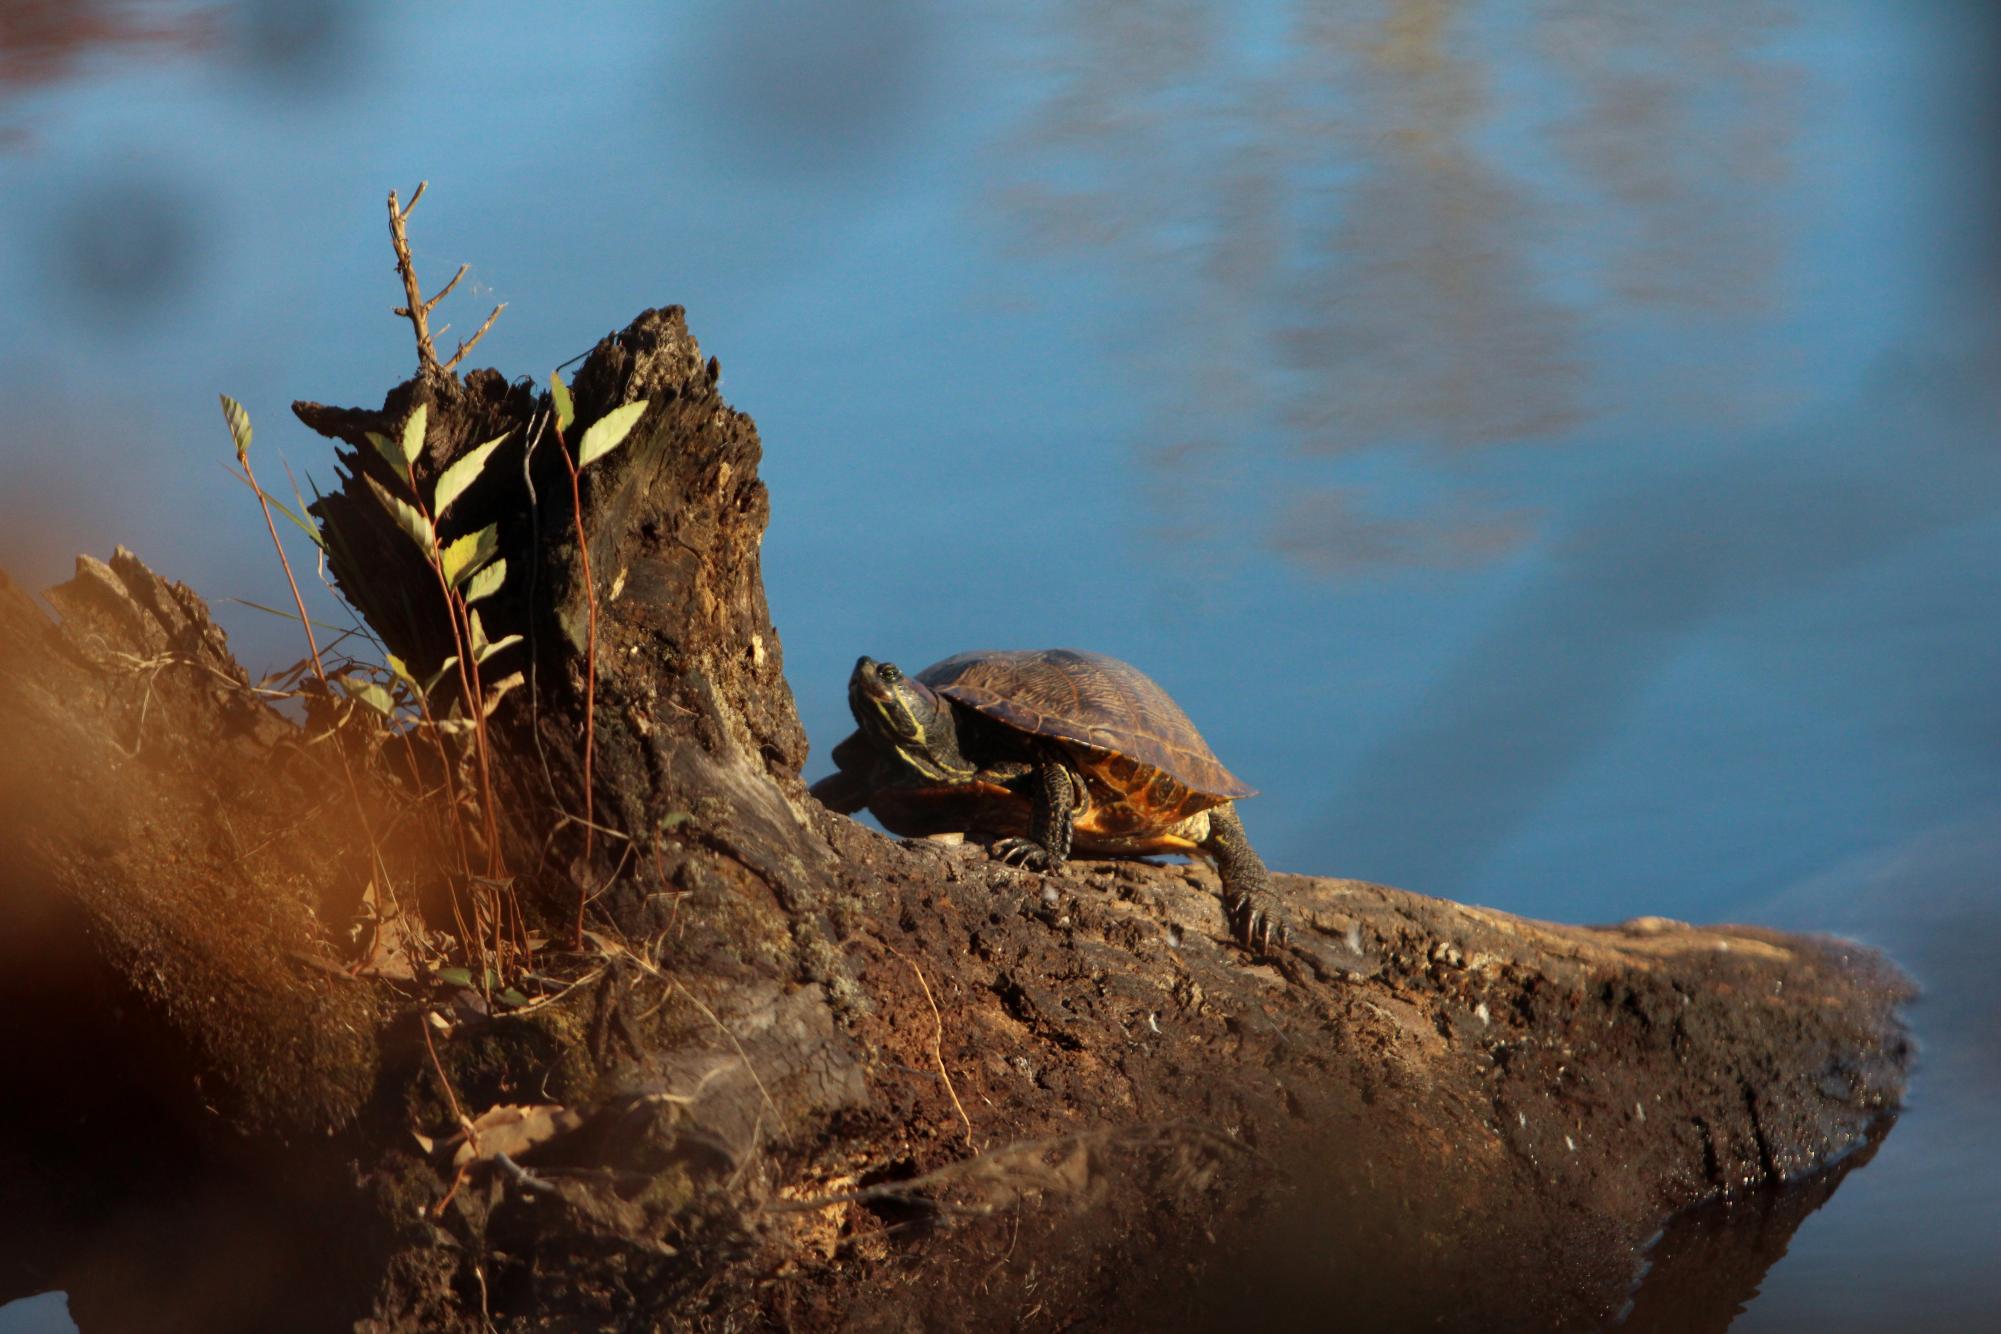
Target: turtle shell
x: 1090, y: 700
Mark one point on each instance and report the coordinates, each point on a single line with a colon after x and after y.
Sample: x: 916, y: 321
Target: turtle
x: 1048, y: 752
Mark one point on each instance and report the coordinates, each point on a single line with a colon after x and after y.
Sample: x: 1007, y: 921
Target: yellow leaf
x: 608, y: 432
x: 413, y: 433
x: 239, y: 425
x: 406, y: 516
x: 462, y: 474
x: 465, y: 554
x: 559, y: 394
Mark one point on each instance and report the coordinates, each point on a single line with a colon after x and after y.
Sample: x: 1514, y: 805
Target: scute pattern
x: 1095, y: 701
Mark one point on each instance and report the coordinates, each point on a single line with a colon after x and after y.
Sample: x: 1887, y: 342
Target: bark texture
x: 810, y: 1077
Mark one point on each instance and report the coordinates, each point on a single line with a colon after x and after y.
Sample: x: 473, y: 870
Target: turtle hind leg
x: 1047, y: 846
x: 1248, y: 897
x: 843, y: 791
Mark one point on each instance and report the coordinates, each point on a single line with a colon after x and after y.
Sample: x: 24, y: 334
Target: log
x: 791, y: 1072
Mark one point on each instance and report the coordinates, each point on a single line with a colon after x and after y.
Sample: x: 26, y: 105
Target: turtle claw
x: 1023, y: 852
x: 1256, y: 923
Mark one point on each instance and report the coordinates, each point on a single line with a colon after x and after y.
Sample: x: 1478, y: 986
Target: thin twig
x: 553, y: 998
x: 1032, y: 1150
x: 438, y: 1209
x: 458, y: 1112
x: 485, y: 1316
x: 450, y: 772
x: 750, y: 1154
x: 565, y: 818
x: 319, y: 668
x: 139, y: 728
x: 611, y: 879
x: 465, y: 1122
x: 537, y: 426
x: 523, y: 1177
x: 478, y: 334
x: 938, y: 1045
x: 298, y: 600
x: 711, y: 1014
x: 446, y: 290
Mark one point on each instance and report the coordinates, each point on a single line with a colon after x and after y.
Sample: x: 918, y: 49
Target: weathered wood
x: 163, y: 827
x: 826, y: 1078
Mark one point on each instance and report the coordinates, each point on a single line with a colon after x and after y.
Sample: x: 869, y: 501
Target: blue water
x: 45, y: 1314
x: 1549, y: 449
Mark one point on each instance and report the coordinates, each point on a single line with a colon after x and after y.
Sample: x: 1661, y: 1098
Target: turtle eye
x: 888, y: 674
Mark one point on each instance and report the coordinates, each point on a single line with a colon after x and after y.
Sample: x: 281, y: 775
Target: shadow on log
x: 798, y: 1074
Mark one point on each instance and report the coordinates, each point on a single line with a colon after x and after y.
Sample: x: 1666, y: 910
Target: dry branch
x: 415, y: 307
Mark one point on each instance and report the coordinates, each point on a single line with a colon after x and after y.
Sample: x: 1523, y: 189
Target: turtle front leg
x: 1253, y: 908
x: 1047, y: 846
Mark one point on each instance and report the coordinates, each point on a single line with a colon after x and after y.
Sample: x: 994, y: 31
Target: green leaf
x: 486, y: 582
x: 413, y: 433
x: 482, y: 648
x: 608, y: 432
x: 559, y: 394
x: 400, y: 670
x: 462, y: 474
x: 282, y: 614
x: 239, y: 425
x: 310, y: 530
x: 492, y: 695
x: 496, y: 646
x: 512, y: 997
x: 319, y: 538
x: 450, y: 662
x: 406, y: 516
x: 463, y: 555
x: 369, y: 693
x: 391, y: 451
x: 455, y: 977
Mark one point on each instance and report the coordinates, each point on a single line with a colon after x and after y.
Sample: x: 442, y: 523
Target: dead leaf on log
x: 512, y: 1130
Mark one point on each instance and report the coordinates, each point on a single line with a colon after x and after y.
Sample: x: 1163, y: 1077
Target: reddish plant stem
x: 381, y: 867
x: 298, y: 600
x: 468, y: 672
x: 451, y: 798
x: 590, y: 669
x: 460, y: 618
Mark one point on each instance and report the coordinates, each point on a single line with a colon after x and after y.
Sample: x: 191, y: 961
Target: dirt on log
x: 796, y: 1074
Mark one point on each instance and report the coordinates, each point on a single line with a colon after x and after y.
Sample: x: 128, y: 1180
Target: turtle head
x: 906, y: 718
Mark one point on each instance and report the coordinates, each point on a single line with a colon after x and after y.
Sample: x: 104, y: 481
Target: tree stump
x: 799, y: 1074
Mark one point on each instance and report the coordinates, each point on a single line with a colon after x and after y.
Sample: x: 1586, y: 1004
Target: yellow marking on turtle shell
x: 1130, y: 799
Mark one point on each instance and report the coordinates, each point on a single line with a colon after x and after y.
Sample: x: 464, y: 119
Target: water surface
x: 1549, y: 448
